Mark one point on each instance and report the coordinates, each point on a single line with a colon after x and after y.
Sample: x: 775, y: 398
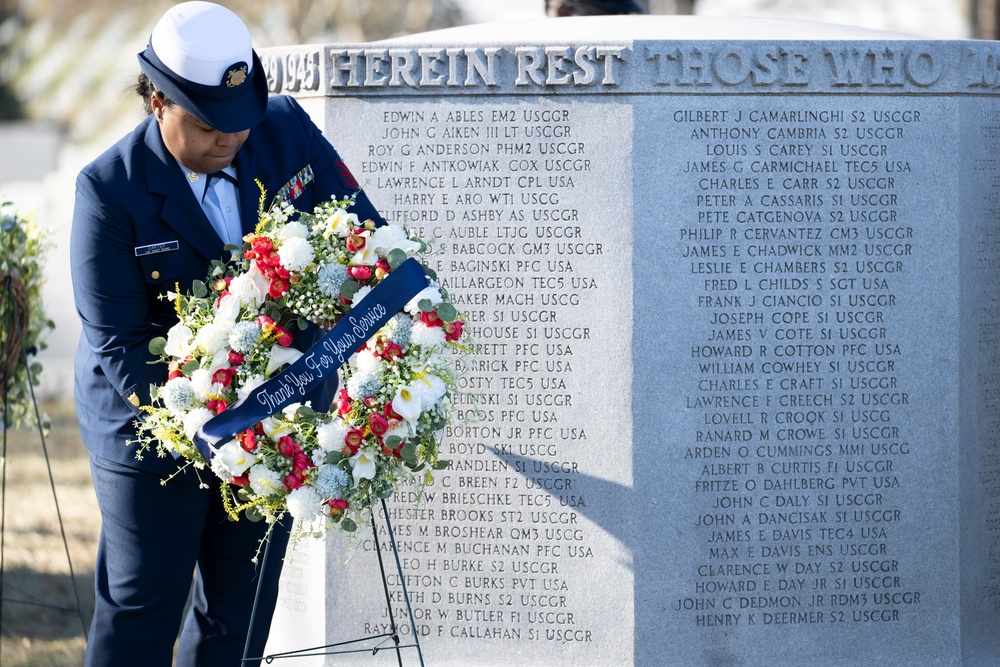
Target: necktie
x: 227, y: 226
x: 224, y: 175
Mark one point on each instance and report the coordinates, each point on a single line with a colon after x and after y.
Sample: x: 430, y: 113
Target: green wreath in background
x: 23, y: 322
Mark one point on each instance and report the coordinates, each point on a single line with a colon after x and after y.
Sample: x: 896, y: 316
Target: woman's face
x: 197, y: 146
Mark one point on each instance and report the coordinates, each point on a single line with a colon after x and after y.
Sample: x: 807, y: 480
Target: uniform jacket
x: 135, y: 196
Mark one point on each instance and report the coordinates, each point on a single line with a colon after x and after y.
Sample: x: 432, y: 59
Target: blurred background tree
x: 10, y: 23
x: 68, y: 61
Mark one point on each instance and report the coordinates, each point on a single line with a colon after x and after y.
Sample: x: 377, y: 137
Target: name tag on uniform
x: 154, y: 248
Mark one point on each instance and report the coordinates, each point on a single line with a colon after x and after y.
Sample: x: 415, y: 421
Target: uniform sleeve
x: 110, y: 295
x: 332, y: 176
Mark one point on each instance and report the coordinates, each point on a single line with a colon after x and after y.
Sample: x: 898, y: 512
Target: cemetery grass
x: 35, y: 565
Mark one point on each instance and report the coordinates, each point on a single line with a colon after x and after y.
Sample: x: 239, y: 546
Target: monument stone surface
x: 736, y: 291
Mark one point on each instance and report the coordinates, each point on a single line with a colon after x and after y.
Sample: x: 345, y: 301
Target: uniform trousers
x: 154, y: 538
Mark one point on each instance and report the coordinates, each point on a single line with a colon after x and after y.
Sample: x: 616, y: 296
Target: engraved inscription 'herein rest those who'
x: 498, y: 548
x: 798, y: 441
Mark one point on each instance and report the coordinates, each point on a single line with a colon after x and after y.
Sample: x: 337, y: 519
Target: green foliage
x: 23, y: 246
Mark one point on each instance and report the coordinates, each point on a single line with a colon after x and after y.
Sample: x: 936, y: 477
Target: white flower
x: 275, y: 428
x: 279, y: 356
x: 194, y: 420
x: 330, y: 436
x: 431, y: 389
x: 431, y: 293
x: 296, y: 254
x: 365, y: 257
x: 214, y: 336
x: 178, y: 341
x: 304, y: 503
x: 250, y: 288
x: 406, y: 402
x: 234, y: 458
x: 363, y: 464
x: 249, y: 384
x: 366, y: 361
x: 264, y: 481
x: 227, y: 310
x: 294, y: 230
x: 339, y: 223
x: 290, y: 409
x: 362, y: 292
x: 427, y: 336
x: 219, y: 360
x: 201, y: 383
x: 390, y: 237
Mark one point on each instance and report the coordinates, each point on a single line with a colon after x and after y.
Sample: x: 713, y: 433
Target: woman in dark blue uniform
x: 150, y: 214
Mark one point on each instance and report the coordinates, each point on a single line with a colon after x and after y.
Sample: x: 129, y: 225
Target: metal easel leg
x: 402, y: 583
x: 14, y: 321
x: 393, y: 634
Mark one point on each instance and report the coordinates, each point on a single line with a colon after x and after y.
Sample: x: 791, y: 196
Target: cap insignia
x: 235, y: 75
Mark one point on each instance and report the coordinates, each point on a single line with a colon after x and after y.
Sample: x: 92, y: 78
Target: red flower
x: 377, y: 424
x: 301, y: 465
x: 360, y: 273
x: 394, y: 417
x: 453, y: 330
x: 391, y: 351
x: 224, y: 376
x: 235, y: 358
x: 353, y: 440
x: 265, y: 323
x: 292, y: 482
x: 370, y: 401
x: 261, y: 245
x: 216, y: 406
x: 343, y: 401
x: 337, y: 506
x: 284, y: 338
x: 248, y: 440
x: 382, y: 268
x: 355, y: 242
x: 431, y: 319
x: 277, y: 288
x: 242, y: 480
x: 287, y: 446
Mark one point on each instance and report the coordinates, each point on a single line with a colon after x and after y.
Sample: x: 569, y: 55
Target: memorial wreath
x: 23, y: 322
x: 234, y: 335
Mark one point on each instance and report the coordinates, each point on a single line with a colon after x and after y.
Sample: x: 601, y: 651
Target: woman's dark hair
x: 145, y: 89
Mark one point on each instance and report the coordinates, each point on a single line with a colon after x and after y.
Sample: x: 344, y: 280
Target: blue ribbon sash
x: 320, y: 361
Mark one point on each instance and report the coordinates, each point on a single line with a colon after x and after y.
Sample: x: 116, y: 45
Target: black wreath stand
x: 338, y: 648
x: 14, y: 354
